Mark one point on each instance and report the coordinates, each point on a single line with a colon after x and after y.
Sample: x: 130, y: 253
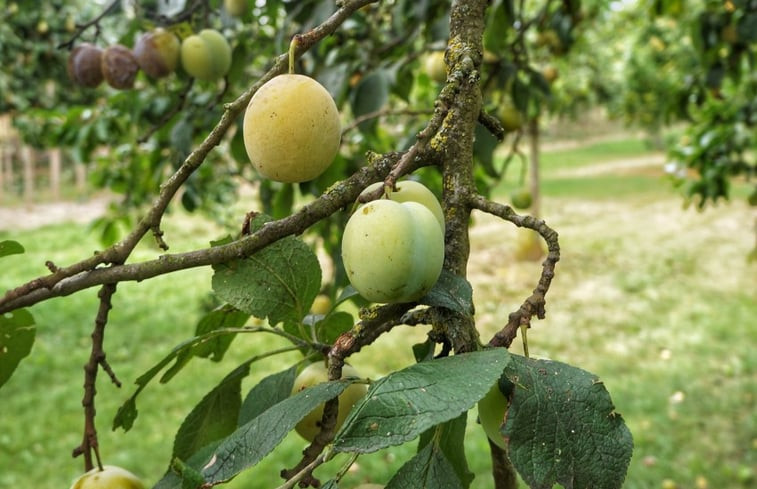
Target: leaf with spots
x: 404, y: 404
x: 562, y: 427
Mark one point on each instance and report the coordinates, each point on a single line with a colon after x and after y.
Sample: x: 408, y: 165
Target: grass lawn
x: 656, y: 300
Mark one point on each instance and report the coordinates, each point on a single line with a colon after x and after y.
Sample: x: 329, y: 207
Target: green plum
x: 110, y: 477
x: 393, y: 252
x: 317, y: 373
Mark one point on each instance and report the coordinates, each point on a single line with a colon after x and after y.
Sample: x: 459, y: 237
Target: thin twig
x: 80, y: 28
x: 382, y: 113
x: 96, y: 360
x: 534, y: 305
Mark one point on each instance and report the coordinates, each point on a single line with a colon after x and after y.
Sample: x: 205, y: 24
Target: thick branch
x: 337, y: 197
x: 534, y: 305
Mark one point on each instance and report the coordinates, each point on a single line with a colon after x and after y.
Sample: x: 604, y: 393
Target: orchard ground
x: 657, y: 300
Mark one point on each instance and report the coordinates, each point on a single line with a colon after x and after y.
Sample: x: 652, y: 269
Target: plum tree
x: 291, y: 129
x: 84, y: 65
x: 411, y: 191
x: 317, y: 373
x: 119, y: 67
x: 206, y: 55
x: 157, y: 52
x: 491, y: 414
x: 392, y: 251
x: 110, y: 477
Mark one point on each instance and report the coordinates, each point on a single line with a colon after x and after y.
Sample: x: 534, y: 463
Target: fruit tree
x: 365, y: 165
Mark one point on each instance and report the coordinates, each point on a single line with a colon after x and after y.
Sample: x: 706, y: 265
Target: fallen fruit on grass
x: 206, y: 55
x: 119, y: 67
x: 317, y: 373
x: 393, y: 252
x: 84, y: 65
x: 110, y: 477
x: 412, y: 191
x: 491, y: 414
x: 291, y: 129
x: 157, y: 52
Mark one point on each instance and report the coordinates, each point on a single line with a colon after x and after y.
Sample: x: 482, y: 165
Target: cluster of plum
x: 205, y: 56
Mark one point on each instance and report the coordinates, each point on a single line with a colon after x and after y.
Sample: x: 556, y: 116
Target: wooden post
x: 27, y: 159
x: 80, y: 174
x: 54, y: 156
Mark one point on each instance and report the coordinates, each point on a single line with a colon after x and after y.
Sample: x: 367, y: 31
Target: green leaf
x: 333, y: 325
x: 450, y: 437
x: 428, y: 469
x: 215, y: 416
x: 562, y: 427
x: 251, y: 442
x: 404, y: 404
x: 17, y: 332
x: 222, y: 317
x: 9, y: 247
x: 452, y: 292
x: 278, y: 282
x: 127, y: 413
x: 268, y: 392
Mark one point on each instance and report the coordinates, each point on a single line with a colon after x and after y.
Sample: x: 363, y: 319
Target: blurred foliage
x: 697, y: 63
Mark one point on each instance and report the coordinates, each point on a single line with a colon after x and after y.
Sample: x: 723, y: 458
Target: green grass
x: 657, y: 301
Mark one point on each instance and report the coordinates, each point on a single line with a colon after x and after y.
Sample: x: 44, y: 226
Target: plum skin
x: 206, y: 55
x: 291, y: 129
x: 317, y: 373
x: 393, y: 252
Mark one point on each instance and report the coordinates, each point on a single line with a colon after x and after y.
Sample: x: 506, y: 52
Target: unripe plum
x: 235, y: 8
x: 291, y: 129
x: 206, y: 56
x: 84, y: 65
x: 435, y: 67
x: 119, y: 67
x: 393, y: 252
x: 321, y: 304
x: 157, y: 52
x: 317, y: 373
x: 412, y: 191
x: 111, y: 477
x: 491, y: 413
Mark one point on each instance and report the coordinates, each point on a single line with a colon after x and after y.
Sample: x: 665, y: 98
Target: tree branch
x: 96, y: 361
x: 534, y: 305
